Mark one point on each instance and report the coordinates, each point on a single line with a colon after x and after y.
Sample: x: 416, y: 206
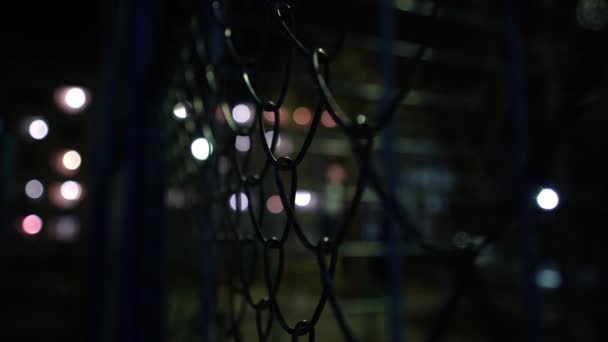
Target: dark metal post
x: 521, y: 183
x: 96, y: 271
x: 395, y: 320
x: 141, y: 314
x: 209, y: 246
x: 7, y: 181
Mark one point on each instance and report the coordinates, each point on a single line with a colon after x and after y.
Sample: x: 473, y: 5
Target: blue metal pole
x: 97, y: 239
x: 209, y: 246
x: 522, y: 187
x: 140, y: 316
x: 395, y: 320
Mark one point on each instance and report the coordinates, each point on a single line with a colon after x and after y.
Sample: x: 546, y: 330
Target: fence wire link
x: 207, y: 83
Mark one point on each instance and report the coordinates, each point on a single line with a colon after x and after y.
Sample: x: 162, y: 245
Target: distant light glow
x: 38, y: 129
x: 285, y: 147
x: 327, y: 120
x: 361, y: 119
x: 219, y: 114
x: 548, y: 278
x: 71, y: 160
x: 31, y: 224
x: 75, y: 97
x: 34, y: 189
x: 547, y: 199
x: 302, y: 116
x: 201, y: 149
x: 57, y: 198
x: 269, y: 116
x: 269, y: 136
x: 70, y: 190
x: 175, y: 198
x: 223, y: 165
x: 242, y: 143
x: 243, y: 199
x: 241, y: 113
x: 65, y: 228
x: 179, y: 111
x: 303, y: 198
x: 274, y: 204
x: 336, y: 173
x: 71, y: 99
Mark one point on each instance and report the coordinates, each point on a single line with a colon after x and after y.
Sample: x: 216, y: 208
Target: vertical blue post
x: 209, y: 252
x: 395, y: 321
x: 96, y: 271
x: 141, y: 315
x: 7, y: 191
x: 521, y: 183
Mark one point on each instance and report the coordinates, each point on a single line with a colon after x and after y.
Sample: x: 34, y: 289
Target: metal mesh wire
x: 226, y: 189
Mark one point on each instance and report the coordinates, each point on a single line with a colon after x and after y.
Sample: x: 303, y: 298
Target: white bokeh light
x: 179, y: 111
x: 242, y: 143
x: 201, y: 149
x: 70, y: 190
x: 547, y: 199
x: 38, y: 129
x: 75, y: 97
x: 243, y: 199
x: 241, y: 113
x: 269, y: 135
x: 71, y: 160
x: 303, y: 198
x: 548, y: 278
x: 34, y: 189
x: 72, y: 100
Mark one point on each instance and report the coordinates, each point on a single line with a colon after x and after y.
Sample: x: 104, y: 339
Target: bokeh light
x: 71, y: 160
x: 303, y: 198
x: 302, y: 116
x: 547, y: 199
x: 70, y: 190
x: 75, y: 97
x: 72, y: 99
x: 180, y: 111
x: 269, y: 135
x: 361, y: 119
x: 38, y: 129
x: 223, y: 165
x: 274, y: 204
x: 243, y: 199
x: 175, y: 198
x: 201, y: 149
x: 74, y: 192
x: 31, y: 224
x: 327, y: 120
x: 65, y: 228
x: 336, y: 173
x: 242, y: 143
x: 241, y: 113
x: 548, y: 278
x: 269, y: 116
x: 285, y: 147
x: 34, y: 189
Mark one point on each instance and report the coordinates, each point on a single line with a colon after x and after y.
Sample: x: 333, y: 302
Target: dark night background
x: 465, y: 165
